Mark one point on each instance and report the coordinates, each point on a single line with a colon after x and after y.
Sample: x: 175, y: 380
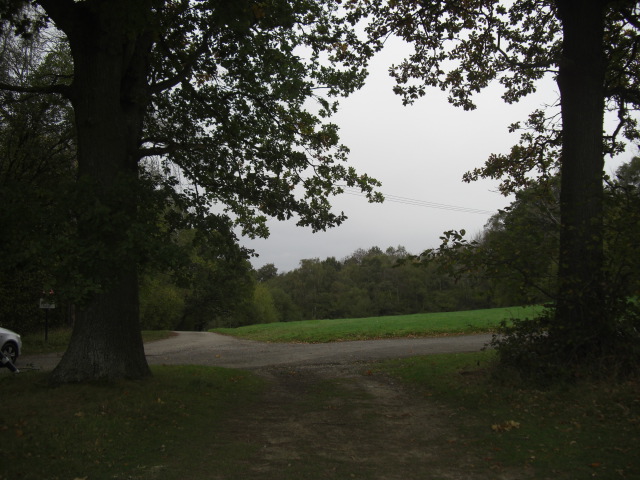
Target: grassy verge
x: 419, y: 325
x: 129, y: 430
x: 58, y: 339
x: 579, y: 431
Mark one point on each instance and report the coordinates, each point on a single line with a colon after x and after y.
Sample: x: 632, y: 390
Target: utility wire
x: 420, y: 203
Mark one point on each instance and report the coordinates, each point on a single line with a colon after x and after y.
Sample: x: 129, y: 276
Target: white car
x: 10, y: 344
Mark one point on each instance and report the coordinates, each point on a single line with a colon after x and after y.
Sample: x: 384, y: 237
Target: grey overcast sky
x: 418, y: 152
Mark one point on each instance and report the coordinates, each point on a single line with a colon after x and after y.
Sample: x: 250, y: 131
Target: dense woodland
x: 374, y: 282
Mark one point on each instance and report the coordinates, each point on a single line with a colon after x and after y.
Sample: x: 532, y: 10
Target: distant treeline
x: 374, y: 282
x: 514, y: 261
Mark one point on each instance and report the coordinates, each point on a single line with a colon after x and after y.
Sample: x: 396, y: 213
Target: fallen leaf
x: 505, y: 426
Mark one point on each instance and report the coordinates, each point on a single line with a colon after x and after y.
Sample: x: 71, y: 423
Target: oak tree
x: 590, y: 48
x: 214, y: 95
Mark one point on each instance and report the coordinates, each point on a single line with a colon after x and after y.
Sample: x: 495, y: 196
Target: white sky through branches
x: 419, y: 153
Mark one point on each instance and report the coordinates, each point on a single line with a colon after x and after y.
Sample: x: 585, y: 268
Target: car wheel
x: 10, y: 349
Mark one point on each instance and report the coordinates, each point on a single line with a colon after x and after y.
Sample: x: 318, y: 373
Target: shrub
x: 161, y: 304
x: 543, y: 350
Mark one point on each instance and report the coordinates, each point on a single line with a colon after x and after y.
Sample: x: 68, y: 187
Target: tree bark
x: 581, y: 83
x: 110, y: 53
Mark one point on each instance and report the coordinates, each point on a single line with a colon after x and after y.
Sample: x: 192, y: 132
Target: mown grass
x: 129, y: 430
x: 418, y: 325
x: 584, y: 430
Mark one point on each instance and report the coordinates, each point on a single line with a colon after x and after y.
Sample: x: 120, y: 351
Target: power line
x: 421, y: 203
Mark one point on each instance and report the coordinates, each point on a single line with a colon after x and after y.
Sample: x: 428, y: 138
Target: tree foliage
x: 236, y: 122
x: 622, y: 223
x: 196, y: 284
x: 371, y: 283
x: 462, y: 47
x: 37, y: 166
x: 518, y: 255
x: 216, y: 97
x: 590, y: 49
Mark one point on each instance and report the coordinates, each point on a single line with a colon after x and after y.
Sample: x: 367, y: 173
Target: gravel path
x: 205, y: 348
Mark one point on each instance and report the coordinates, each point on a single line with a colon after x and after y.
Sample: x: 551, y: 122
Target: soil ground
x: 347, y: 421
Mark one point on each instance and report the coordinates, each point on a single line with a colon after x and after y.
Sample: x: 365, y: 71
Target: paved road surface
x: 205, y: 348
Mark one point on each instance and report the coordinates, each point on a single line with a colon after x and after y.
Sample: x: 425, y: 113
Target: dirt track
x: 204, y: 348
x: 326, y: 415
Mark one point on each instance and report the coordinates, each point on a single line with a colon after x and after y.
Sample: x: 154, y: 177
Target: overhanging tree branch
x: 187, y: 66
x: 626, y: 94
x: 64, y: 90
x: 630, y: 17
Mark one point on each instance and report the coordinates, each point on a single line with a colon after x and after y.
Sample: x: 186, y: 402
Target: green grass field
x: 418, y: 325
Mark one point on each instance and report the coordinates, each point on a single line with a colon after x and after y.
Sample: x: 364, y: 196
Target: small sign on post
x: 46, y: 305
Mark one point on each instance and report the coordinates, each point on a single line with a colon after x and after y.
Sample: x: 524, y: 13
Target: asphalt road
x: 205, y: 348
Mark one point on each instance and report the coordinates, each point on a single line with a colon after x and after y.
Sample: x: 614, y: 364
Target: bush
x: 161, y: 304
x: 542, y: 350
x: 264, y: 306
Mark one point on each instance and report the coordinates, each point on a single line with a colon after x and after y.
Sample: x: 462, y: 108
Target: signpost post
x: 46, y: 305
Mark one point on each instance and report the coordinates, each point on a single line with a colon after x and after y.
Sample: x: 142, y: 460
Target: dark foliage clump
x: 544, y: 351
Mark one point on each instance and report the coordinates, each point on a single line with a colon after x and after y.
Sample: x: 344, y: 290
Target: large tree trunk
x: 581, y: 83
x: 108, y: 96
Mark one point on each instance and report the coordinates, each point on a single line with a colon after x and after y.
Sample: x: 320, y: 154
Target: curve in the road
x: 205, y: 348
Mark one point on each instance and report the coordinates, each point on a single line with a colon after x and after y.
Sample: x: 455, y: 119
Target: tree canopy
x: 589, y: 47
x: 205, y: 106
